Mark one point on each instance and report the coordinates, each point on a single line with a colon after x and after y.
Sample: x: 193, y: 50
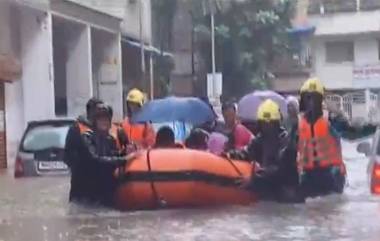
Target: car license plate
x: 53, y: 165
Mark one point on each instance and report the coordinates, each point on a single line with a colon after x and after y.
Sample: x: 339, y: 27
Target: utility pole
x: 212, y: 12
x: 151, y: 76
x: 141, y: 26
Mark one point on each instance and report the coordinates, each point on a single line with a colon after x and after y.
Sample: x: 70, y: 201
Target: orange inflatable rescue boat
x: 181, y: 178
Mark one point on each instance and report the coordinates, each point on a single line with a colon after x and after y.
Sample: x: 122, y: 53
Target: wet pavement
x: 37, y: 209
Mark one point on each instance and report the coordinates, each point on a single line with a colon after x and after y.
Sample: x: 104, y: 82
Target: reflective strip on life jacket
x: 317, y: 147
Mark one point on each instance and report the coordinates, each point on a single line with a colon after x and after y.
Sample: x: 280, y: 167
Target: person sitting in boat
x: 165, y: 138
x: 217, y: 143
x: 238, y: 135
x: 197, y: 139
x: 318, y: 135
x: 277, y: 176
x: 141, y: 135
x: 291, y: 121
x: 102, y: 157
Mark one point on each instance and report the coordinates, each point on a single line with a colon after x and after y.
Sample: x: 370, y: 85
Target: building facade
x: 69, y: 51
x: 346, y: 43
x: 294, y: 67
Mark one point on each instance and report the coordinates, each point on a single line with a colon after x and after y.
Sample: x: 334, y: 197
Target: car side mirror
x: 364, y: 147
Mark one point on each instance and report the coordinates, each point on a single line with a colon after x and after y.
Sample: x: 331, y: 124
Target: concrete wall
x: 111, y: 7
x: 130, y: 25
x: 106, y: 67
x: 346, y: 23
x: 340, y: 75
x: 84, y: 14
x: 79, y: 74
x: 9, y: 43
x: 36, y: 54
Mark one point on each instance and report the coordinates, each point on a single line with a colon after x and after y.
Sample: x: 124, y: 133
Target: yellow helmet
x: 136, y: 96
x: 268, y: 111
x: 313, y: 85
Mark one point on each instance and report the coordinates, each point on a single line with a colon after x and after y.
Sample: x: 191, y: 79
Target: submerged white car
x: 372, y: 151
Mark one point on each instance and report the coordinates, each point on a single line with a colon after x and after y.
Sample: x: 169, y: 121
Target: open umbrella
x: 248, y: 105
x: 185, y: 109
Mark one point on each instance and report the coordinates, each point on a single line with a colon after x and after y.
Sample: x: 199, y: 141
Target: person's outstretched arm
x: 348, y: 131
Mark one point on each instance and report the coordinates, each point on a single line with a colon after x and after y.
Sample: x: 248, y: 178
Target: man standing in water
x: 73, y: 151
x: 320, y: 158
x: 102, y: 156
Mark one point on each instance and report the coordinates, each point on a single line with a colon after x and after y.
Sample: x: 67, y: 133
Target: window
x: 44, y: 137
x: 339, y: 52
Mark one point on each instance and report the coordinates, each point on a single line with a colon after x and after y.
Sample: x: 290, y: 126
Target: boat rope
x: 160, y: 202
x: 235, y: 167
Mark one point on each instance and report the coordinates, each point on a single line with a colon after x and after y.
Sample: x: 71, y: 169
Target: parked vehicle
x: 41, y: 149
x: 372, y: 151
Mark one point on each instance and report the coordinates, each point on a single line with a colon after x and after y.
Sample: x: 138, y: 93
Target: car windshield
x: 45, y: 137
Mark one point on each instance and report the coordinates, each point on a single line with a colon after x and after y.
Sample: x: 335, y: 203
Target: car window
x: 44, y: 137
x: 376, y: 144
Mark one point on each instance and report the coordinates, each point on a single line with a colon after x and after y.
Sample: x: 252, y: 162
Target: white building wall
x: 114, y: 8
x: 366, y: 50
x: 107, y: 78
x: 360, y: 27
x: 130, y: 25
x: 79, y: 74
x: 36, y: 58
x: 340, y: 75
x: 9, y: 43
x: 346, y: 23
x: 27, y: 34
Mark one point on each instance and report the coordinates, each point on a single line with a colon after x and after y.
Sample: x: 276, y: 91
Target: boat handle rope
x: 235, y: 167
x: 160, y: 202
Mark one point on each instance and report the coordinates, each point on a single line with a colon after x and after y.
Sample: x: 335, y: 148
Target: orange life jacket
x: 83, y: 128
x: 114, y: 133
x: 317, y: 147
x: 140, y: 134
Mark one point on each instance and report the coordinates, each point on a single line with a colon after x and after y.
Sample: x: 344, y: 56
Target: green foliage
x: 249, y: 34
x: 163, y: 12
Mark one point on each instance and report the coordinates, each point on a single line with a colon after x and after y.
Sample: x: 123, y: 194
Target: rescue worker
x: 74, y: 146
x: 140, y: 135
x: 117, y: 132
x: 276, y: 178
x: 239, y: 136
x: 102, y: 157
x: 320, y: 158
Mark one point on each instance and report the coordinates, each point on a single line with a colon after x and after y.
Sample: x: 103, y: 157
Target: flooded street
x: 37, y: 209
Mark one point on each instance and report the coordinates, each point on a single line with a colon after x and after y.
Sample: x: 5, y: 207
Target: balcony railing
x: 369, y: 4
x: 332, y: 6
x: 335, y: 6
x: 291, y: 65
